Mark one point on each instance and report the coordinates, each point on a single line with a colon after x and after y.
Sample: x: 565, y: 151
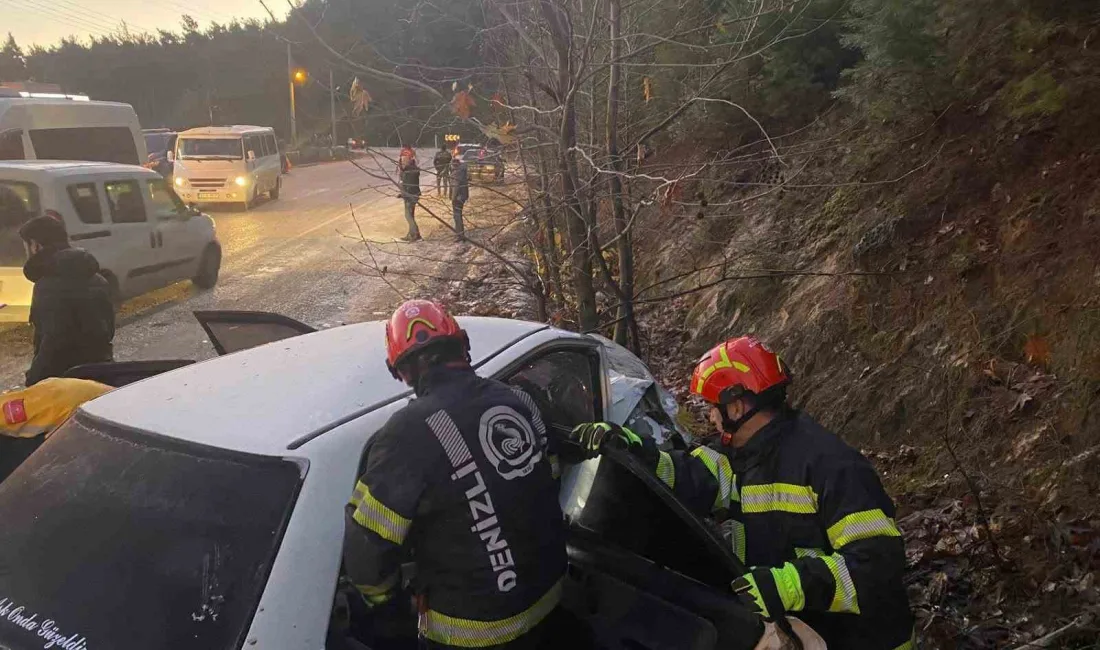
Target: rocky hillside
x: 935, y: 285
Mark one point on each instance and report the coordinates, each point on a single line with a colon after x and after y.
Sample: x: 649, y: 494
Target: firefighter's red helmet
x: 417, y: 324
x: 735, y: 368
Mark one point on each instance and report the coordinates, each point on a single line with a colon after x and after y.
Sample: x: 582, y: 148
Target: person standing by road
x: 71, y: 310
x: 461, y: 195
x: 464, y: 447
x: 442, y: 163
x: 410, y: 192
x: 800, y: 507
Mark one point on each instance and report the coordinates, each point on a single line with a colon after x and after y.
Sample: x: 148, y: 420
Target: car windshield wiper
x: 215, y: 157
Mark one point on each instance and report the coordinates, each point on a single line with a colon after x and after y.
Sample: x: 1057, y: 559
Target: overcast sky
x: 45, y: 22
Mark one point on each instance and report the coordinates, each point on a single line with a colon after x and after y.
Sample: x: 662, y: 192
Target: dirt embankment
x: 937, y: 291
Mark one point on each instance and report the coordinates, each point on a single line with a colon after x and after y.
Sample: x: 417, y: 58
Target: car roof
x: 69, y: 167
x: 264, y: 399
x: 226, y: 131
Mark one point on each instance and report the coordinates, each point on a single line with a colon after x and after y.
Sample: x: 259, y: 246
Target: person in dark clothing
x: 71, y: 310
x: 410, y: 192
x: 461, y: 195
x: 442, y: 162
x: 807, y: 512
x: 459, y: 479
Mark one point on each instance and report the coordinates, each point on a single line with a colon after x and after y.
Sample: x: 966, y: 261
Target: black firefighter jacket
x: 460, y: 480
x: 797, y: 493
x: 74, y: 321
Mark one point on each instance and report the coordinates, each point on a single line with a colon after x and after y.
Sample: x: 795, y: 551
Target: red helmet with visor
x: 417, y: 324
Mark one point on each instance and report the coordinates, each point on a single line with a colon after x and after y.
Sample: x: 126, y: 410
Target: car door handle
x: 160, y: 239
x: 152, y: 240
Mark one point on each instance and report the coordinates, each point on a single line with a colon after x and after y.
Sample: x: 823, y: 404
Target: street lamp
x: 297, y: 77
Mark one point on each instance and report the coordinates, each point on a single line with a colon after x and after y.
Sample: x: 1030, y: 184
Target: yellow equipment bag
x: 43, y: 407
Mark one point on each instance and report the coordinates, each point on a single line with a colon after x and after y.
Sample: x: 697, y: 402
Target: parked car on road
x: 484, y: 164
x: 227, y: 164
x: 143, y: 236
x: 206, y: 503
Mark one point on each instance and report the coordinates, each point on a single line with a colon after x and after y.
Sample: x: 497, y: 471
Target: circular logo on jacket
x: 508, y: 442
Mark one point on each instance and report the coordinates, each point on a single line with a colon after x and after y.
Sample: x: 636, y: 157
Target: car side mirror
x: 171, y: 155
x: 251, y: 155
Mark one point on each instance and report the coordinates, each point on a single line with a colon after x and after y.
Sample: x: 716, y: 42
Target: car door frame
x: 137, y: 274
x: 207, y: 317
x: 179, y: 256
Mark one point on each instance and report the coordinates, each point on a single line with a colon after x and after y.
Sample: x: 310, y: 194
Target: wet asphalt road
x: 289, y: 256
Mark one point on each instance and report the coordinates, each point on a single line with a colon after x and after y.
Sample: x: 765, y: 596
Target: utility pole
x: 290, y: 79
x: 332, y: 104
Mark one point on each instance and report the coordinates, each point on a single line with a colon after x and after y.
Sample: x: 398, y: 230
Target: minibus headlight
x: 241, y: 180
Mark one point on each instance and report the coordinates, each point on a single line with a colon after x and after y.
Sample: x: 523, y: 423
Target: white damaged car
x: 202, y: 508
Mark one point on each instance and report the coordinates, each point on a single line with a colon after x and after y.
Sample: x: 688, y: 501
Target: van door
x: 253, y: 153
x: 179, y: 245
x: 133, y: 239
x: 19, y: 202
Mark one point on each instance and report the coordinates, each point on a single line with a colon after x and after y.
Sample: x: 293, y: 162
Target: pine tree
x: 13, y: 65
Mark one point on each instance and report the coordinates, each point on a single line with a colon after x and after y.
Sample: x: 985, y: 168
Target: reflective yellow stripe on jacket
x: 372, y: 514
x: 666, y: 470
x: 378, y: 594
x: 719, y: 465
x: 781, y: 497
x: 844, y: 598
x: 862, y: 525
x: 468, y: 633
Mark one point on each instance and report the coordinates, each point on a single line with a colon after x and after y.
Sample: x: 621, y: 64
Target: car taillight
x: 481, y: 155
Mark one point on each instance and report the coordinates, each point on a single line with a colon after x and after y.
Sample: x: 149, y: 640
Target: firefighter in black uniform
x: 460, y: 481
x: 800, y: 507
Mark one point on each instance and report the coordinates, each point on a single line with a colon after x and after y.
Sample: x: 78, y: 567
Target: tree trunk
x: 580, y: 254
x: 625, y: 318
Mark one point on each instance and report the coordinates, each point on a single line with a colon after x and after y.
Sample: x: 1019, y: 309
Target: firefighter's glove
x: 765, y: 591
x: 595, y: 436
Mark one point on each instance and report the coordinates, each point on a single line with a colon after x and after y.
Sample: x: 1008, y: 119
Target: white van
x: 128, y: 217
x: 33, y: 128
x: 227, y: 164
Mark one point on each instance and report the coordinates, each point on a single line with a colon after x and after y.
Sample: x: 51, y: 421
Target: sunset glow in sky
x: 45, y: 22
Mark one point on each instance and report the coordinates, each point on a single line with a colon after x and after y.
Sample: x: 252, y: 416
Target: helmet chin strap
x: 730, y: 426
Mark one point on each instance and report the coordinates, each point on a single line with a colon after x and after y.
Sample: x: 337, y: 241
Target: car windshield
x: 228, y: 148
x: 471, y: 155
x: 18, y: 203
x: 118, y: 539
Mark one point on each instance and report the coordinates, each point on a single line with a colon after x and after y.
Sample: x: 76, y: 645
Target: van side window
x: 261, y: 141
x: 11, y: 145
x: 99, y: 143
x: 85, y: 199
x: 18, y: 203
x: 252, y: 143
x: 166, y: 205
x: 272, y: 146
x: 124, y: 198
